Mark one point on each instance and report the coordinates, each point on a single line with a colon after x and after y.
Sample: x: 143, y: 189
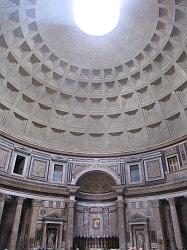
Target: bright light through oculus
x: 96, y: 17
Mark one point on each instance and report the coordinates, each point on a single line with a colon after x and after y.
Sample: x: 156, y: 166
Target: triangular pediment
x: 138, y: 218
x: 54, y: 217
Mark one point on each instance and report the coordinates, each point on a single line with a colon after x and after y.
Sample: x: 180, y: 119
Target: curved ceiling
x: 68, y: 91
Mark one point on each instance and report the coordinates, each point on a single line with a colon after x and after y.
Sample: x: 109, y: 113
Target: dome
x: 66, y: 91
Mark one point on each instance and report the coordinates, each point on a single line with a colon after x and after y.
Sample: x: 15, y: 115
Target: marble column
x: 64, y: 234
x: 44, y: 231
x: 15, y: 228
x: 158, y: 222
x: 24, y: 225
x: 147, y: 237
x: 131, y: 236
x: 70, y: 224
x: 169, y: 227
x: 33, y: 222
x: 60, y: 237
x: 2, y: 203
x: 176, y: 226
x: 122, y: 226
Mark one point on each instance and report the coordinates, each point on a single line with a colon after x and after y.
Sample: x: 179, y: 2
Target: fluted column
x: 175, y: 221
x: 158, y: 221
x: 33, y: 222
x: 2, y: 203
x: 15, y: 228
x: 121, y: 219
x: 70, y: 224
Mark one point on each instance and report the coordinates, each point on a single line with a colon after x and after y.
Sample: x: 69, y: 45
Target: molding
x: 96, y: 197
x: 132, y: 159
x: 21, y: 185
x: 81, y: 154
x: 72, y: 189
x: 60, y: 159
x: 157, y: 189
x: 22, y: 150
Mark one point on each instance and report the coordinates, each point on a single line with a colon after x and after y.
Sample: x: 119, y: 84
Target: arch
x: 108, y: 171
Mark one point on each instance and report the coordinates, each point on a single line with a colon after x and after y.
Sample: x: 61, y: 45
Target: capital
x: 121, y: 203
x: 72, y: 189
x: 71, y: 203
x: 36, y: 203
x: 20, y: 200
x: 119, y: 189
x: 3, y: 197
x: 171, y: 201
x: 155, y: 203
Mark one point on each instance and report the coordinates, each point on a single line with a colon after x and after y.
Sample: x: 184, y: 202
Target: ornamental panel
x: 39, y: 169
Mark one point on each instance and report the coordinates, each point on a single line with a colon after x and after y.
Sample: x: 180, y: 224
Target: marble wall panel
x: 153, y: 169
x: 5, y: 154
x: 39, y: 168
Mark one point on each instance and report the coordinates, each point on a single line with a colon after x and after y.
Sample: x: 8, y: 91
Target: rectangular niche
x: 58, y: 173
x: 19, y: 165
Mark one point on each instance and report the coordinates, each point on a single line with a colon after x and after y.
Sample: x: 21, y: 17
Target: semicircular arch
x: 90, y: 169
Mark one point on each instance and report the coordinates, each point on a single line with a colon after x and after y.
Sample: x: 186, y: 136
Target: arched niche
x: 96, y: 182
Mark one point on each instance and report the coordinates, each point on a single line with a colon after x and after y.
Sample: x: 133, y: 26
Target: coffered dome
x: 64, y: 90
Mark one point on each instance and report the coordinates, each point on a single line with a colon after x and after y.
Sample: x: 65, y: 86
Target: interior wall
x: 96, y: 219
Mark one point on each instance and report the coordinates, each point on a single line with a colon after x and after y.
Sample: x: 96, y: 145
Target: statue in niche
x: 50, y: 239
x: 140, y: 240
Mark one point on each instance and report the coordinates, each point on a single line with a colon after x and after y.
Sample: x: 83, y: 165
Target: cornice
x: 23, y: 186
x: 156, y: 189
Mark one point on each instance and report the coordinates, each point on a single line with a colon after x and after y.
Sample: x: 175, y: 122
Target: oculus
x: 96, y: 17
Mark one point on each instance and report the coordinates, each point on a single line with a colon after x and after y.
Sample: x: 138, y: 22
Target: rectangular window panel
x: 58, y: 173
x: 134, y: 173
x: 173, y: 164
x: 19, y: 165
